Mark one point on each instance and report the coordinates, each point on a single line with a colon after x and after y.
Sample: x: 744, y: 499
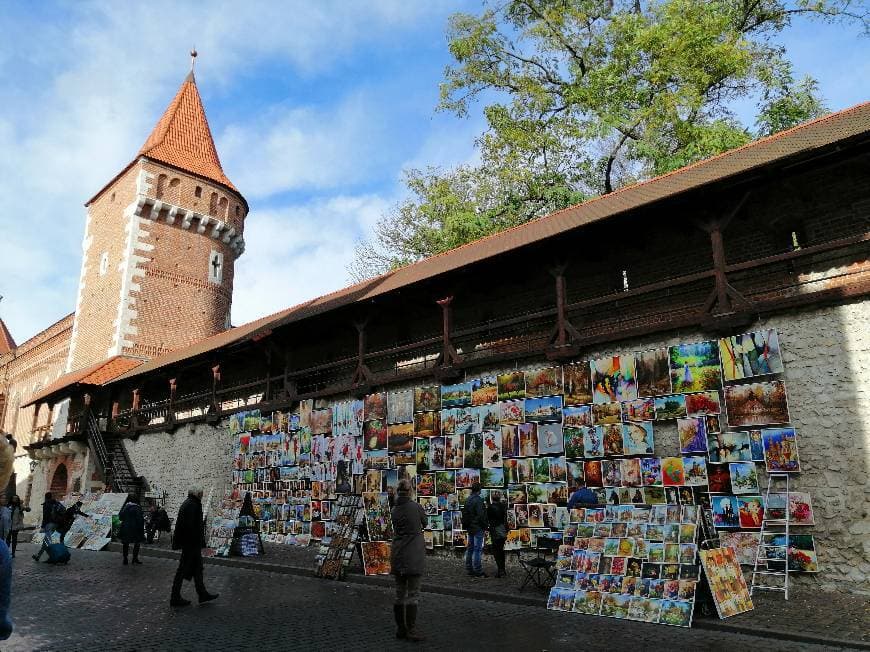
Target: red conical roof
x: 183, y: 139
x: 6, y: 341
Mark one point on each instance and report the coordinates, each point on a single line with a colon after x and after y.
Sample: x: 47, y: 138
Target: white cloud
x: 300, y: 252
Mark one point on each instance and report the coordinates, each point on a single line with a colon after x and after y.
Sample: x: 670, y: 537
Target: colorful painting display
x: 613, y: 379
x: 695, y: 367
x: 727, y: 584
x: 653, y: 373
x: 376, y: 557
x: 780, y: 450
x: 750, y: 354
x: 756, y: 404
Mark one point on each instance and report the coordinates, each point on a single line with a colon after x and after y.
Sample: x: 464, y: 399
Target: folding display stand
x: 762, y: 555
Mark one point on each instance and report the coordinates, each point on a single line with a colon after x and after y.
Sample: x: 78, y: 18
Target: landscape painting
x: 756, y: 404
x: 613, y: 379
x: 653, y: 373
x: 695, y: 367
x: 577, y: 383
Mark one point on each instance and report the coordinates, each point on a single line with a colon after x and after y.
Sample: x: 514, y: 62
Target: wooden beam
x: 362, y: 375
x: 565, y: 340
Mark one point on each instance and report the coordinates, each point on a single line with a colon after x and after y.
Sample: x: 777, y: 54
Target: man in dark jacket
x: 53, y: 513
x: 69, y: 517
x: 474, y: 521
x: 408, y: 555
x: 189, y: 537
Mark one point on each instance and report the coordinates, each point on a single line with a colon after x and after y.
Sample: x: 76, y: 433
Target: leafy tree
x: 590, y: 95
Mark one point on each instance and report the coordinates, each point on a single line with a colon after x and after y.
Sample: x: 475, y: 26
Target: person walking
x: 17, y: 518
x: 496, y: 514
x: 53, y: 514
x: 69, y: 518
x: 407, y: 557
x: 189, y: 537
x: 474, y: 522
x: 132, y: 527
x: 156, y: 520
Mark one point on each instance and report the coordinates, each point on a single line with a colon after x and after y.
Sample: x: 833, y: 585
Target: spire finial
x: 193, y: 54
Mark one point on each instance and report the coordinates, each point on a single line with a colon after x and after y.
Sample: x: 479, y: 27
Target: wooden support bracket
x: 362, y: 376
x: 564, y: 341
x: 446, y: 367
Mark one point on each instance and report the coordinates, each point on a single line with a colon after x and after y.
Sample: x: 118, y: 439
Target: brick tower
x: 161, y: 240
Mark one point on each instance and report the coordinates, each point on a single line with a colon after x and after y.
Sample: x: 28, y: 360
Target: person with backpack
x: 17, y: 513
x: 53, y: 514
x: 475, y: 523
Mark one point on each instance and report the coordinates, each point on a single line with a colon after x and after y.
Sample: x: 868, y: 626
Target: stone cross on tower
x: 216, y: 265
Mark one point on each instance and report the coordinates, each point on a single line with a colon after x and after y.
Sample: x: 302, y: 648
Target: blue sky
x: 316, y: 108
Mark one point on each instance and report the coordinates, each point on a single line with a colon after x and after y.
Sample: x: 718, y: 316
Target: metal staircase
x: 113, y: 459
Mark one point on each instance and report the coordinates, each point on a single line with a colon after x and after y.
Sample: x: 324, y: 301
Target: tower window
x: 198, y: 192
x: 161, y: 186
x: 215, y: 267
x: 213, y: 204
x: 238, y: 210
x: 104, y: 263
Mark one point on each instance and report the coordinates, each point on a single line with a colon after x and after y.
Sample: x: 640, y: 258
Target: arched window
x: 172, y: 194
x: 213, y: 204
x: 59, y: 481
x: 222, y: 207
x: 161, y: 185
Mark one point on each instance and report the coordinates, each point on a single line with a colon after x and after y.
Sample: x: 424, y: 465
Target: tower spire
x: 193, y: 55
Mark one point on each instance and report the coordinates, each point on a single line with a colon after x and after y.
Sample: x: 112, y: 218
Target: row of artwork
x: 629, y: 576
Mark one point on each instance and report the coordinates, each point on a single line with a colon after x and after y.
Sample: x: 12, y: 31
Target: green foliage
x: 590, y: 95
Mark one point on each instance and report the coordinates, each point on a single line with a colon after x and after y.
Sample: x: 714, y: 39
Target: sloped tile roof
x: 6, y: 342
x: 823, y: 132
x: 182, y: 137
x: 97, y: 374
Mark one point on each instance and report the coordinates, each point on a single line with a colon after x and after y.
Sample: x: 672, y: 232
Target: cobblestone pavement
x: 809, y: 613
x: 95, y: 603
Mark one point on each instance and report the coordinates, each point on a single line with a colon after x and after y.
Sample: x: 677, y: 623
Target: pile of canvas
x: 336, y: 549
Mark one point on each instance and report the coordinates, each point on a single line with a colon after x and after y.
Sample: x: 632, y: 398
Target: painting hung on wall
x: 544, y: 410
x: 400, y: 407
x: 528, y: 434
x: 695, y: 367
x: 641, y: 409
x: 695, y: 470
x: 744, y: 479
x: 427, y: 424
x: 673, y: 472
x: 437, y: 453
x: 637, y: 438
x: 593, y: 441
x: 550, y: 439
x: 511, y: 412
x: 454, y: 452
x: 375, y: 406
x: 780, y: 450
x: 751, y: 354
x: 729, y: 446
x: 458, y: 395
x: 612, y: 435
x: 543, y: 382
x: 577, y: 416
x: 484, y: 390
x: 650, y: 471
x: 751, y: 509
x: 511, y: 386
x: 577, y: 383
x: 756, y: 404
x: 400, y: 438
x: 719, y: 479
x: 492, y: 453
x: 592, y: 473
x: 603, y: 413
x: 702, y: 404
x: 422, y: 454
x: 613, y: 379
x: 693, y: 435
x: 427, y: 399
x: 726, y: 512
x: 653, y: 373
x: 744, y: 544
x: 321, y: 421
x: 756, y: 445
x: 474, y: 449
x: 669, y: 407
x: 375, y: 435
x: 573, y: 442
